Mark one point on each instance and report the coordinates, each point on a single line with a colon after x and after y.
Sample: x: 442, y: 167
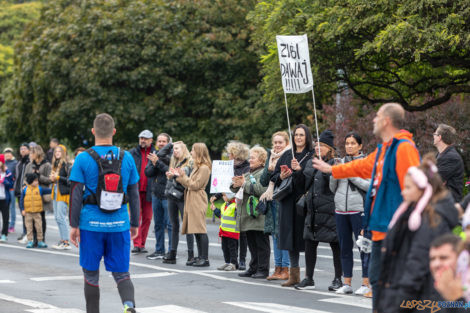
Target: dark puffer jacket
x: 405, y: 273
x: 157, y: 173
x: 320, y: 223
x: 451, y: 169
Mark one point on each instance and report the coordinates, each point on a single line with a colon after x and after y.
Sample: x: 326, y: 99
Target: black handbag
x: 301, y: 205
x: 262, y: 207
x: 172, y: 191
x: 283, y: 190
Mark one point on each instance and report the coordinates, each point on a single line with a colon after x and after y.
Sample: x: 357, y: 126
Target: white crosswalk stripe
x: 273, y: 307
x: 361, y: 302
x: 168, y: 309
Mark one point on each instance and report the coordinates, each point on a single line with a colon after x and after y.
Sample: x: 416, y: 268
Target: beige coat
x: 195, y: 200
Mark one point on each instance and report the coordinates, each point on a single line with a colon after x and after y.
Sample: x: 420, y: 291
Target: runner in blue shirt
x: 103, y: 180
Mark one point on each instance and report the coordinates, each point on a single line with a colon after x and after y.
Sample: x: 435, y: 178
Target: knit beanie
x: 327, y: 138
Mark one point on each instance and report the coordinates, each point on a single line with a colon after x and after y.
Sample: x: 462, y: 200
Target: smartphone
x: 284, y: 168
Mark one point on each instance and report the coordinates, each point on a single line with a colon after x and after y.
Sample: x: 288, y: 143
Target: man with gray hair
x: 140, y: 155
x: 449, y: 161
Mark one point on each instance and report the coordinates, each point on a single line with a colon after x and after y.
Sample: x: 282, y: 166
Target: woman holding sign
x: 195, y: 200
x: 291, y: 223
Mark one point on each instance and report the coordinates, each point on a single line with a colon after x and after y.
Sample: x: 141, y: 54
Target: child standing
x: 31, y: 207
x: 228, y: 231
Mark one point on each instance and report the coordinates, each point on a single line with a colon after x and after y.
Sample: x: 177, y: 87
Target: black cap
x: 328, y: 138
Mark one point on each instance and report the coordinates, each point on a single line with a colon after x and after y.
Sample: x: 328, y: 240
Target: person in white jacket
x: 349, y: 204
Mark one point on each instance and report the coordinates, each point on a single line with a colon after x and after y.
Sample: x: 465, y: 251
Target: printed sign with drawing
x: 221, y: 177
x: 294, y: 59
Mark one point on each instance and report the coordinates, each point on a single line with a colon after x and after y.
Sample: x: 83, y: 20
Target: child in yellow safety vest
x: 31, y: 206
x: 229, y: 231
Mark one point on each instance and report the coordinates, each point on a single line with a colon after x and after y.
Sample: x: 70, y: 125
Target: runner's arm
x: 76, y: 203
x: 134, y: 204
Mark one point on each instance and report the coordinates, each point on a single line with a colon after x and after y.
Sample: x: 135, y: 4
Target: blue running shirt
x: 85, y: 171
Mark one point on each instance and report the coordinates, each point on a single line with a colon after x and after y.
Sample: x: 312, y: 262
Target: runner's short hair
x: 447, y: 133
x: 103, y: 125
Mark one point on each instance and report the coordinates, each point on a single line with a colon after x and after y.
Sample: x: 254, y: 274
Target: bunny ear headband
x: 421, y: 180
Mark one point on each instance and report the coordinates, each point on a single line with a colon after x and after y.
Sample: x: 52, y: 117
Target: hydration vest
x: 109, y: 195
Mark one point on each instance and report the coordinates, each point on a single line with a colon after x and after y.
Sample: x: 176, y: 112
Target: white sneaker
x: 58, y: 246
x: 24, y: 240
x: 223, y: 266
x: 362, y: 290
x: 66, y: 246
x: 346, y: 289
x: 230, y: 267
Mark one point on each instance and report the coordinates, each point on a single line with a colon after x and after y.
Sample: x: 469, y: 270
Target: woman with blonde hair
x: 252, y: 222
x: 174, y: 193
x: 239, y: 153
x: 280, y: 144
x: 60, y: 194
x: 195, y: 200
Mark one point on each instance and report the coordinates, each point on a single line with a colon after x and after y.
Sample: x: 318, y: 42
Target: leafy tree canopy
x: 184, y: 67
x: 412, y: 52
x: 13, y: 19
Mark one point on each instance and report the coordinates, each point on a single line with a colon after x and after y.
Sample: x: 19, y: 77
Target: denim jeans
x: 374, y: 270
x: 12, y: 209
x: 60, y: 214
x: 281, y: 257
x: 161, y: 221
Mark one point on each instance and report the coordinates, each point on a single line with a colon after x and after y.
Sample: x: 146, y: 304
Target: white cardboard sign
x: 221, y: 177
x: 294, y: 60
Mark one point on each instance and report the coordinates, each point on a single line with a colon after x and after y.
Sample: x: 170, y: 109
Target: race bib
x: 111, y: 201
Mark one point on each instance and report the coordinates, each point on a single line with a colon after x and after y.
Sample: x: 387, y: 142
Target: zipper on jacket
x: 347, y: 191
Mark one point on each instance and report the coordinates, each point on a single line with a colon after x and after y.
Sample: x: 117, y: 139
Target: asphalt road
x: 50, y: 281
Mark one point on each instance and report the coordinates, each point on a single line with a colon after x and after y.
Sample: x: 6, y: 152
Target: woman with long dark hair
x: 291, y: 224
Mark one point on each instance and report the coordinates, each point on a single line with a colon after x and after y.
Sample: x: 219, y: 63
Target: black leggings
x: 5, y: 208
x: 294, y: 258
x: 175, y: 207
x: 243, y: 246
x: 202, y: 242
x: 311, y: 258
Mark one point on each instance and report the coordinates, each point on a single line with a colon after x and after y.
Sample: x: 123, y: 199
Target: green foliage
x: 13, y: 19
x: 184, y: 67
x: 412, y: 52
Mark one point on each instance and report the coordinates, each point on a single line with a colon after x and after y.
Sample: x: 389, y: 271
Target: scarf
x: 275, y: 157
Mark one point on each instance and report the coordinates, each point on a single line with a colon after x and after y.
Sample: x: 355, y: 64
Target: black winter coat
x: 451, y: 169
x: 320, y: 222
x: 405, y: 273
x: 64, y: 183
x: 135, y: 152
x: 19, y: 175
x: 291, y: 224
x: 157, y: 174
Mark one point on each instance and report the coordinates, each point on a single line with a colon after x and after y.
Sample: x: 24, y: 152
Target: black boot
x: 170, y: 258
x: 191, y: 259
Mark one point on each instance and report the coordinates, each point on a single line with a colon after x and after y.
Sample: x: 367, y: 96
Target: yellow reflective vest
x: 228, y: 221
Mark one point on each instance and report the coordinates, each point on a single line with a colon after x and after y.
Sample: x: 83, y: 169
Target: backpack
x: 109, y: 194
